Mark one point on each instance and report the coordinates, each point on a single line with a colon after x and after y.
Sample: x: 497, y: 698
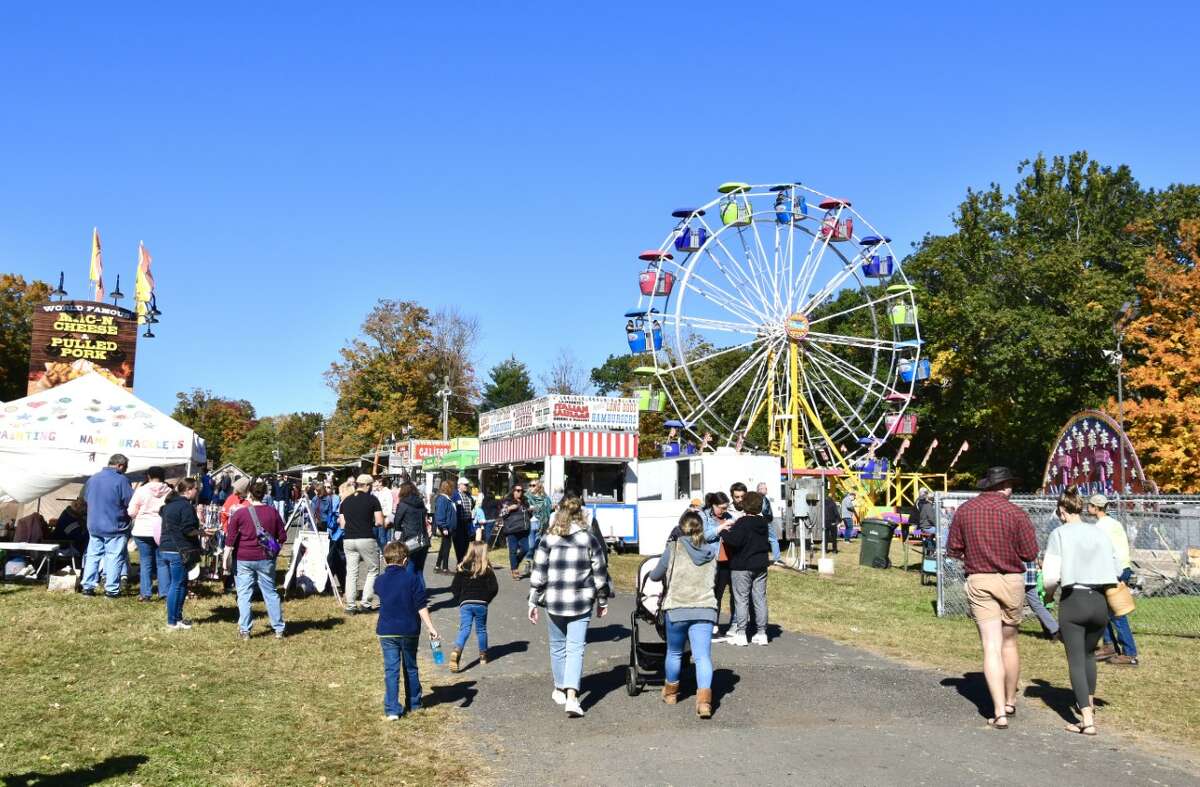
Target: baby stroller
x: 647, y: 660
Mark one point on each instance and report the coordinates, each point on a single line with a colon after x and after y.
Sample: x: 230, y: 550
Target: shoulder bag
x: 265, y: 539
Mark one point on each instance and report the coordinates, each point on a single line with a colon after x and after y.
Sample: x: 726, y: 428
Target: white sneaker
x: 181, y: 625
x: 573, y: 709
x: 392, y: 717
x: 716, y: 630
x: 738, y: 639
x: 559, y: 696
x: 760, y: 638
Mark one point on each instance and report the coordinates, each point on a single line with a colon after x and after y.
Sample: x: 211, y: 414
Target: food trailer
x: 583, y: 444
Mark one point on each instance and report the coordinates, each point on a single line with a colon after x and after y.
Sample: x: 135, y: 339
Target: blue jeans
x: 397, y: 650
x: 112, y: 550
x: 535, y: 528
x: 381, y: 536
x: 468, y: 615
x: 416, y: 561
x: 1118, y: 627
x: 517, y: 550
x: 849, y: 523
x: 567, y: 638
x: 773, y: 538
x: 176, y: 585
x: 262, y: 572
x: 700, y: 634
x: 150, y: 562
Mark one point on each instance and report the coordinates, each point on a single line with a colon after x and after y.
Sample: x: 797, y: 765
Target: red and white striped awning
x: 569, y: 445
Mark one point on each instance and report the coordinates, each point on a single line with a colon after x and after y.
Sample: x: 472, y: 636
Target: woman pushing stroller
x: 688, y: 567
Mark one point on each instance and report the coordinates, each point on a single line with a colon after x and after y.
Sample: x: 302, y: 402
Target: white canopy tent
x: 68, y: 433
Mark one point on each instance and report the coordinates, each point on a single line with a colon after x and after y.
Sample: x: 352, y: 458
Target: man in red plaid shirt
x: 994, y: 539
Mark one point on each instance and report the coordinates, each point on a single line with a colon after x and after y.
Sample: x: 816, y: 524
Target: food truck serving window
x: 598, y: 482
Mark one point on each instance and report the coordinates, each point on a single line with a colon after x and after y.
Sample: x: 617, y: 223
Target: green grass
x: 888, y: 612
x: 99, y: 691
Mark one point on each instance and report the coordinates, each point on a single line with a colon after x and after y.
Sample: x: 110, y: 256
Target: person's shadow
x: 461, y: 693
x: 596, y: 686
x: 297, y: 627
x: 612, y: 632
x: 1059, y: 699
x: 497, y: 652
x: 77, y: 777
x: 972, y: 686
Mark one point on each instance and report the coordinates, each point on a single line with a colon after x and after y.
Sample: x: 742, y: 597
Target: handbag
x: 513, y: 528
x: 1120, y: 600
x: 265, y: 539
x: 419, y: 541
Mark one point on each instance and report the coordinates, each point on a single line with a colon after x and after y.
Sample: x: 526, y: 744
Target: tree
x: 223, y: 423
x: 1163, y: 413
x: 17, y: 299
x: 1015, y: 307
x: 565, y: 375
x: 615, y: 375
x: 296, y: 434
x: 254, y: 453
x: 509, y: 384
x: 453, y: 340
x: 386, y: 380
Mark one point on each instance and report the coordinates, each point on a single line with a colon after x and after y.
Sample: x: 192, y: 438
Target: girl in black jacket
x: 179, y: 546
x: 411, y: 528
x: 474, y: 586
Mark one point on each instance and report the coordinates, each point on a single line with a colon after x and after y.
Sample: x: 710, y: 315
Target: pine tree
x: 509, y: 383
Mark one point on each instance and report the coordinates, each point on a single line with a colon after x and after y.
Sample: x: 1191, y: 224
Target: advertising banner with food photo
x: 75, y: 338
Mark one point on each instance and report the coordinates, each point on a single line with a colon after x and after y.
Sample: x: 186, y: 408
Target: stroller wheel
x: 631, y: 682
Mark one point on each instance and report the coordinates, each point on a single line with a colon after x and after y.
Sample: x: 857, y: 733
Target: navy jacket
x: 180, y: 527
x: 401, y: 596
x: 108, y: 493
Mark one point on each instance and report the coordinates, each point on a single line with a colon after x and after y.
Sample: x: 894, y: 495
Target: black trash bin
x: 876, y: 542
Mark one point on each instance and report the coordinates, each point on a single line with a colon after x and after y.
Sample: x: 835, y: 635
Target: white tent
x: 68, y: 433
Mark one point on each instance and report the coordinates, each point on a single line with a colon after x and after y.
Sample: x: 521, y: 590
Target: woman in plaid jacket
x: 569, y: 577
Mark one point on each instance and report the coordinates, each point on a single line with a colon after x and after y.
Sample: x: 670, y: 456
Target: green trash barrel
x: 875, y: 544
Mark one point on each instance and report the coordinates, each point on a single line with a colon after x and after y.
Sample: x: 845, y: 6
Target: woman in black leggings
x: 1080, y: 559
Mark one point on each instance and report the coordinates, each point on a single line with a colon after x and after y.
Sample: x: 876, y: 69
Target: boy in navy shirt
x: 403, y: 607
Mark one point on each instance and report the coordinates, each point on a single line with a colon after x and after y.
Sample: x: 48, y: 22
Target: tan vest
x: 689, y: 586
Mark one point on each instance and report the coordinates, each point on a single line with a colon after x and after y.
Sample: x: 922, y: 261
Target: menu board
x: 72, y: 338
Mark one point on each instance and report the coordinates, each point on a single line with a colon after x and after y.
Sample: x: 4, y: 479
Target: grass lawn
x: 99, y: 691
x: 890, y: 613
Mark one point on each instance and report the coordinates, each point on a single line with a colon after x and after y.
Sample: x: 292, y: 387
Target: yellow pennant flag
x: 96, y: 273
x: 143, y: 288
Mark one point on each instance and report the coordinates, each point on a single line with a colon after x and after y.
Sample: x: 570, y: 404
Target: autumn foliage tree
x: 1162, y: 411
x: 17, y: 299
x: 223, y: 423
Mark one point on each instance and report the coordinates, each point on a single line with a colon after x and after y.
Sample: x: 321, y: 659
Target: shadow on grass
x: 461, y: 694
x: 972, y: 686
x: 298, y: 627
x: 221, y: 614
x: 1060, y: 699
x: 101, y: 771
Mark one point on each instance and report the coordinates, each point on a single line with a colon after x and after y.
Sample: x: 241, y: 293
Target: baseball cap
x: 464, y: 481
x: 1099, y: 501
x: 364, y: 480
x: 241, y: 486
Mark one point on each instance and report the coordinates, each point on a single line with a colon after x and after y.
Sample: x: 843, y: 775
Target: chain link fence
x: 1164, y: 541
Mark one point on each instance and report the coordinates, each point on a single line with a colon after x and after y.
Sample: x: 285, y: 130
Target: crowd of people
x: 723, y: 544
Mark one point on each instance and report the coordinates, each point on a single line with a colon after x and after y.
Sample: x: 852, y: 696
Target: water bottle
x: 435, y: 645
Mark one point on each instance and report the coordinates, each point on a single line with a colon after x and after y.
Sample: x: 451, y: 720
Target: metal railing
x: 1164, y: 541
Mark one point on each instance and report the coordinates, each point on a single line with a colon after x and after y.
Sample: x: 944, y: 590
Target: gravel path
x: 801, y: 708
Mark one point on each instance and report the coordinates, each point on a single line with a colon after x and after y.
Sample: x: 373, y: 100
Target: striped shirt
x: 569, y: 574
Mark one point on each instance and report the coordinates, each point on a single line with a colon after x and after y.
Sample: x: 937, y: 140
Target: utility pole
x: 321, y: 433
x: 1128, y: 310
x: 444, y: 394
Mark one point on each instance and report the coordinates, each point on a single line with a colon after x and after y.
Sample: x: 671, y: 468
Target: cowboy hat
x: 995, y: 476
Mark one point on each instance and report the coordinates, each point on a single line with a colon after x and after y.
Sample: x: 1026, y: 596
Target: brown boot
x: 704, y: 703
x: 670, y: 693
x: 455, y: 656
x: 1105, y: 652
x: 483, y: 657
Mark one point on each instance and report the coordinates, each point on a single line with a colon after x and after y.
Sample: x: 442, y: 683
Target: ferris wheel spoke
x: 745, y: 279
x: 849, y: 372
x: 755, y: 396
x: 835, y: 390
x: 772, y: 275
x: 736, y: 306
x: 683, y: 362
x: 875, y: 302
x: 852, y: 341
x: 832, y: 285
x: 802, y: 273
x: 708, y: 401
x: 715, y: 325
x: 820, y: 392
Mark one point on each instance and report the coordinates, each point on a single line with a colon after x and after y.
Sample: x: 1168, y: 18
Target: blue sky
x: 289, y: 163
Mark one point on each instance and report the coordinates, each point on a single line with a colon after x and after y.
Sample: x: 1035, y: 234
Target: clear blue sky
x: 289, y: 163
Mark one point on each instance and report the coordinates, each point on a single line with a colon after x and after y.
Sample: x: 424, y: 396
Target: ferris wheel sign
x: 561, y: 412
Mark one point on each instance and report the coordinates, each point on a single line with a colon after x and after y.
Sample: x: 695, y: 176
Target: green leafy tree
x: 223, y: 423
x: 296, y: 434
x: 509, y: 383
x: 615, y: 375
x: 17, y: 299
x: 254, y: 452
x: 1016, y: 307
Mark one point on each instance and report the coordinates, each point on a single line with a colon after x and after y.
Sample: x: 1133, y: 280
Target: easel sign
x: 310, y: 565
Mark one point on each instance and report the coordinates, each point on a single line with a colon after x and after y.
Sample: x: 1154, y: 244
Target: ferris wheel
x: 770, y: 323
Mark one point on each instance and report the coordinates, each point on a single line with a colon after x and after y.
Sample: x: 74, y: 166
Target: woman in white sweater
x: 1080, y: 559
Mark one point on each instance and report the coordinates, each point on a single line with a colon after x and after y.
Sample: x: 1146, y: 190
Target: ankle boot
x: 455, y: 656
x: 670, y: 693
x: 704, y: 703
x: 483, y: 657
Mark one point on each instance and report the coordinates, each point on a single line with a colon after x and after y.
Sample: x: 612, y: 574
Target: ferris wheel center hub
x: 797, y: 327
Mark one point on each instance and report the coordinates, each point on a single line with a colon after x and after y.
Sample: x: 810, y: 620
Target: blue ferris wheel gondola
x: 643, y: 331
x: 789, y: 206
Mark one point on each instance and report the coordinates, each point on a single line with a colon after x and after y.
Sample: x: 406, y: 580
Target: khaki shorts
x: 993, y: 596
